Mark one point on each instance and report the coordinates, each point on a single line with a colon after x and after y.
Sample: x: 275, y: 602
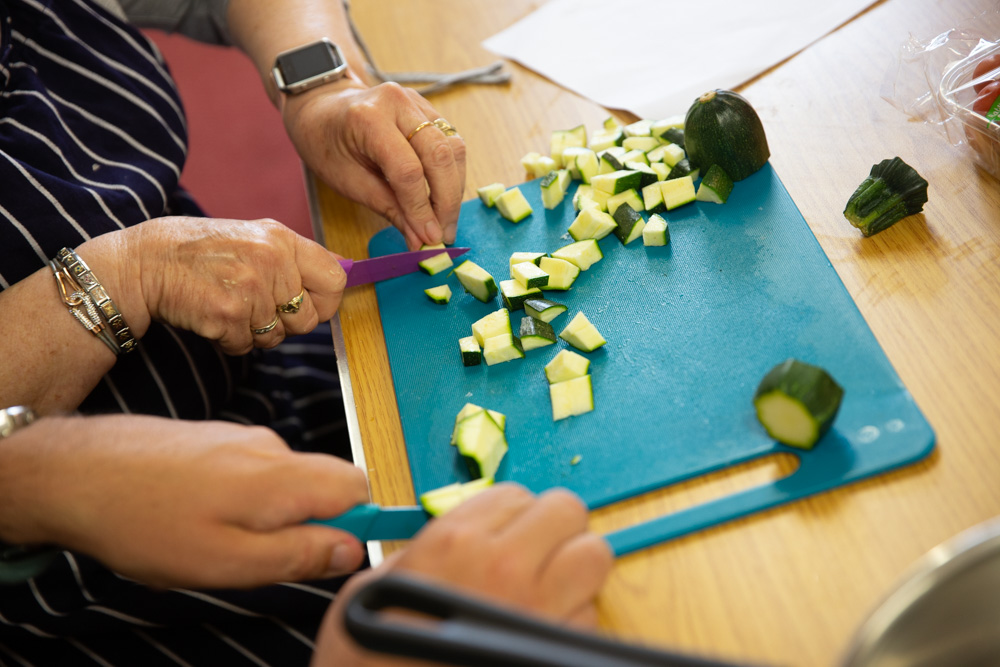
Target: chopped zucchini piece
x: 472, y: 354
x: 652, y: 198
x: 582, y: 334
x: 562, y: 274
x: 661, y: 127
x: 560, y: 140
x: 571, y: 398
x: 543, y: 309
x: 587, y: 165
x: 529, y: 275
x: 489, y: 193
x: 634, y: 156
x: 656, y: 232
x: 674, y: 135
x: 610, y: 123
x: 494, y: 324
x: 892, y: 191
x: 607, y: 138
x: 470, y: 409
x: 683, y: 168
x: 437, y: 502
x: 439, y: 294
x: 630, y: 197
x: 584, y: 254
x: 715, y: 186
x: 640, y: 128
x: 672, y: 154
x: 513, y: 206
x: 569, y: 157
x: 608, y: 162
x: 536, y: 333
x: 476, y: 280
x: 504, y: 347
x: 644, y: 144
x: 657, y: 153
x: 677, y: 192
x: 797, y: 402
x: 617, y: 181
x: 647, y: 174
x: 518, y: 257
x: 662, y: 170
x: 565, y: 366
x: 591, y: 223
x: 630, y: 224
x: 537, y: 165
x: 481, y: 441
x: 514, y: 294
x: 553, y: 191
x: 583, y: 192
x: 435, y: 264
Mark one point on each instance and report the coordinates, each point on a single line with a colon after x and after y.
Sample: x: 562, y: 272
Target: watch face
x: 308, y: 62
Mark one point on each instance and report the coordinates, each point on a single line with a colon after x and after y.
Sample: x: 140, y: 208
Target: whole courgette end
x: 893, y: 190
x: 797, y: 402
x: 721, y: 127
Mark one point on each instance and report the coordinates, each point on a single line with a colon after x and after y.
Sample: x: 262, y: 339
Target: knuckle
x: 441, y: 156
x: 410, y: 172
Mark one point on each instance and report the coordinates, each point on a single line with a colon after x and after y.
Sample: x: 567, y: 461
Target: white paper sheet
x: 655, y: 57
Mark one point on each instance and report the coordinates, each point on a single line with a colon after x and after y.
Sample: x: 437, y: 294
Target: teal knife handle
x: 355, y: 521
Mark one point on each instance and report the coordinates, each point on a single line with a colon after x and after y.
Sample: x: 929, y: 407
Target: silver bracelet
x: 121, y: 336
x: 81, y: 306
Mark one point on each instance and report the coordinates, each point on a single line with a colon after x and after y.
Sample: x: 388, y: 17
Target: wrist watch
x: 18, y: 563
x: 306, y: 67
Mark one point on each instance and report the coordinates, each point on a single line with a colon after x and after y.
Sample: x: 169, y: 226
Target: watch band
x: 14, y: 418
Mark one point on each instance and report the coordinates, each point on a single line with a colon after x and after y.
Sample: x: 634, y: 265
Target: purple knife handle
x: 346, y: 264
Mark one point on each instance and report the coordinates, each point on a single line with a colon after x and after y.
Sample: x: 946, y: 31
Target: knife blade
x: 372, y: 270
x: 372, y: 522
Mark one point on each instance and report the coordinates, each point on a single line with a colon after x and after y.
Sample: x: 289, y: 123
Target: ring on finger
x: 269, y: 327
x: 292, y: 306
x: 425, y: 124
x: 446, y: 127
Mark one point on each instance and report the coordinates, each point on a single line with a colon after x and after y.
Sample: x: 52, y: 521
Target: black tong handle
x: 472, y: 633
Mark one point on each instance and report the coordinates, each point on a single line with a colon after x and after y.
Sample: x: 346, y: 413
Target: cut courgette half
x: 656, y: 232
x: 513, y: 206
x: 505, y: 347
x: 562, y: 274
x: 536, y: 333
x: 437, y: 502
x: 488, y: 193
x: 470, y: 409
x: 591, y: 223
x: 514, y: 294
x: 543, y: 309
x: 565, y: 366
x: 439, y: 294
x: 797, y: 402
x: 582, y: 334
x: 481, y: 441
x: 715, y: 186
x: 571, y: 398
x: 472, y: 354
x: 630, y: 224
x: 494, y: 324
x: 529, y: 275
x: 476, y: 280
x: 584, y: 254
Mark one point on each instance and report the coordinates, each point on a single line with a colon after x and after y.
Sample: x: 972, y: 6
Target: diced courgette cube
x: 537, y: 165
x: 553, y: 190
x: 672, y: 154
x: 715, y: 186
x: 677, y: 192
x: 673, y: 135
x: 536, y: 333
x: 518, y: 257
x: 644, y: 144
x: 489, y: 193
x: 437, y: 502
x: 617, y: 181
x: 640, y: 128
x: 630, y: 197
x: 656, y: 232
x: 562, y: 274
x: 472, y: 354
x: 646, y: 173
x: 560, y: 140
x: 481, y: 441
x: 630, y: 224
x: 587, y: 165
x: 514, y: 293
x: 591, y: 223
x: 494, y: 324
x: 470, y: 409
x: 652, y: 198
x: 543, y: 309
x: 632, y: 157
x: 476, y: 280
x: 504, y: 347
x: 608, y: 162
x: 529, y: 275
x: 583, y: 254
x: 683, y: 168
x: 582, y: 334
x: 435, y: 264
x: 565, y: 366
x: 513, y: 206
x: 439, y: 294
x: 659, y: 127
x: 571, y: 398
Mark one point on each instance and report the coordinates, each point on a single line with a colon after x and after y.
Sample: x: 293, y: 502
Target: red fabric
x: 241, y: 163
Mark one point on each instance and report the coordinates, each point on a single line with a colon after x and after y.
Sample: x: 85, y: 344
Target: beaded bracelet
x: 95, y: 301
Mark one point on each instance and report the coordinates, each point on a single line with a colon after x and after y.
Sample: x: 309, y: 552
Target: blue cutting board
x: 691, y: 327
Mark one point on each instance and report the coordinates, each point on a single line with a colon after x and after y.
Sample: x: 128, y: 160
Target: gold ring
x: 269, y: 327
x: 446, y: 127
x: 293, y: 305
x: 426, y: 123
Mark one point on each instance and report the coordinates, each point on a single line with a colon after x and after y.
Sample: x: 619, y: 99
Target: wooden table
x: 787, y: 586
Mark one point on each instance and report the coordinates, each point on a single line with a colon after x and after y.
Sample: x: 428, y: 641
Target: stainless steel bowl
x: 946, y: 612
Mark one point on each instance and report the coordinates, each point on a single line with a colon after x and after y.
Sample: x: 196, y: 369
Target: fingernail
x: 342, y: 559
x: 433, y: 231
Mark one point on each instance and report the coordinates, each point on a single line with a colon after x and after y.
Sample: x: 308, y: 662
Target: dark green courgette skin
x: 532, y: 327
x: 683, y: 168
x: 471, y: 358
x: 892, y: 191
x: 811, y: 385
x: 674, y: 135
x: 722, y: 128
x: 627, y: 218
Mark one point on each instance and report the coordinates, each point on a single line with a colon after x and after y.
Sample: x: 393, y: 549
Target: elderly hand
x: 532, y: 553
x: 177, y: 503
x: 361, y: 142
x: 221, y: 279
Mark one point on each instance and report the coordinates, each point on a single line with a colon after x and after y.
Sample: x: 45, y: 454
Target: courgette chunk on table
x: 553, y: 190
x: 630, y: 224
x: 514, y: 294
x: 476, y: 280
x: 715, y: 186
x: 543, y: 309
x: 583, y: 254
x: 630, y: 197
x: 565, y: 366
x: 494, y: 324
x: 797, y: 402
x: 582, y: 334
x: 513, y: 206
x: 591, y: 223
x: 617, y: 181
x: 892, y: 191
x: 656, y: 232
x: 562, y: 274
x: 437, y: 502
x: 677, y: 192
x: 488, y: 193
x: 472, y: 353
x: 529, y: 275
x: 439, y: 294
x: 505, y: 347
x: 470, y: 409
x: 437, y: 263
x: 535, y: 333
x: 722, y: 128
x: 571, y: 397
x: 518, y: 257
x: 481, y: 441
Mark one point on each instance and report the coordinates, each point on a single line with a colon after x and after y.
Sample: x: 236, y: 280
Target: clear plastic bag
x: 936, y: 81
